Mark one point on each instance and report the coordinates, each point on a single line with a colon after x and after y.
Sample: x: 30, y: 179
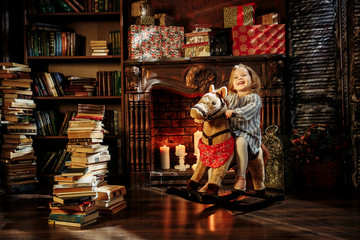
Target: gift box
x: 197, y: 49
x: 258, y: 39
x: 162, y: 19
x: 239, y: 15
x: 268, y: 19
x: 145, y: 20
x: 155, y: 41
x: 140, y: 8
x: 201, y: 28
x: 198, y: 37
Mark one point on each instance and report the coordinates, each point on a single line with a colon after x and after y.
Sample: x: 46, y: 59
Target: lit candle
x: 197, y: 136
x: 165, y: 157
x: 180, y: 150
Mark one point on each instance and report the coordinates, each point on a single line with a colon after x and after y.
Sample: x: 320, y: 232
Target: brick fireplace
x: 158, y: 98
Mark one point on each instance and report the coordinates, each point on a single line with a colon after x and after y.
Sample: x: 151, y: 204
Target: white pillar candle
x: 165, y: 157
x: 180, y: 150
x: 197, y: 136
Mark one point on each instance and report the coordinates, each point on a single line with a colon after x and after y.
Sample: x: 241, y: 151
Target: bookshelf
x: 90, y: 25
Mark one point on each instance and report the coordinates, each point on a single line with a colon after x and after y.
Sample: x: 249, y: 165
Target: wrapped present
x: 162, y: 19
x: 239, y: 15
x: 201, y: 28
x: 197, y: 49
x: 198, y: 37
x: 258, y: 39
x: 140, y: 8
x: 155, y: 41
x: 145, y: 20
x: 268, y: 19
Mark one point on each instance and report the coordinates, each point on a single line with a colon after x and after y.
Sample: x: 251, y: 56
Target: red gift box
x: 258, y: 39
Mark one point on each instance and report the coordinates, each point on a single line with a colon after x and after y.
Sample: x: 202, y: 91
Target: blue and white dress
x: 246, y: 122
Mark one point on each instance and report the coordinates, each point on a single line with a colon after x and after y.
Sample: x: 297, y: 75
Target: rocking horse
x: 216, y: 153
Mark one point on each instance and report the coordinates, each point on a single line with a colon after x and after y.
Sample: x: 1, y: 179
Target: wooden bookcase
x: 93, y: 26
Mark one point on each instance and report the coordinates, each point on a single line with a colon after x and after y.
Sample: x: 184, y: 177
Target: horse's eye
x: 213, y: 103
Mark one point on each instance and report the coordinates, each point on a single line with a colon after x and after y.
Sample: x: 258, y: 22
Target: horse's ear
x: 222, y: 91
x: 211, y: 88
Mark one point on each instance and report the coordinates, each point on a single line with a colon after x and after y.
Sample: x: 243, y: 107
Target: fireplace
x: 158, y: 98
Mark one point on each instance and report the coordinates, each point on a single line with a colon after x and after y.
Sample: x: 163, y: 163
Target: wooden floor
x: 152, y: 215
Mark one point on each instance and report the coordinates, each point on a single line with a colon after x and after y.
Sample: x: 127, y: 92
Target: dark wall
x: 11, y: 39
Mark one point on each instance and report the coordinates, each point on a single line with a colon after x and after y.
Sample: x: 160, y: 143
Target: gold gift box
x: 197, y: 50
x: 145, y: 20
x: 239, y: 15
x: 140, y: 8
x: 162, y: 19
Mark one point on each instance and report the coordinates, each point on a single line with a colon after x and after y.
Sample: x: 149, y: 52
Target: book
x: 76, y: 207
x: 85, y: 135
x: 108, y: 203
x: 76, y: 194
x: 74, y: 172
x: 74, y: 200
x: 69, y: 190
x: 64, y: 210
x: 60, y: 178
x: 112, y: 209
x: 71, y: 224
x: 74, y: 217
x: 108, y: 192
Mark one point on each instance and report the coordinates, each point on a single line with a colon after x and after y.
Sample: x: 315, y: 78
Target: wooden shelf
x: 91, y: 98
x: 86, y: 16
x: 65, y: 137
x: 76, y: 58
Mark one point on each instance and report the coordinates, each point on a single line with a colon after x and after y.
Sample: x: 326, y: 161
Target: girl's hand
x: 228, y: 113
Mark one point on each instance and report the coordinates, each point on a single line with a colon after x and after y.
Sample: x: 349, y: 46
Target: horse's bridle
x: 211, y: 117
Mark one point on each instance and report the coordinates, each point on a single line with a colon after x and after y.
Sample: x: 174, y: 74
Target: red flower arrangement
x: 320, y: 143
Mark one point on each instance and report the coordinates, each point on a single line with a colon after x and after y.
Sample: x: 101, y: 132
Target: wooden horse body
x: 210, y: 111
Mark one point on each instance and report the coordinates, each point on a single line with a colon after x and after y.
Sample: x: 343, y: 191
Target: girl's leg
x: 241, y: 156
x: 257, y: 170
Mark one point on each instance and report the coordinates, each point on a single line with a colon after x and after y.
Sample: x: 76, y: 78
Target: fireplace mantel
x: 189, y: 77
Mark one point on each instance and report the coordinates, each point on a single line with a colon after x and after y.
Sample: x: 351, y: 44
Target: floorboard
x: 152, y: 214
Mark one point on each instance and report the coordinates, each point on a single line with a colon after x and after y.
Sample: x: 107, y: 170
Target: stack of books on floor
x: 87, y: 170
x: 17, y: 154
x: 110, y: 199
x: 73, y: 198
x: 99, y: 48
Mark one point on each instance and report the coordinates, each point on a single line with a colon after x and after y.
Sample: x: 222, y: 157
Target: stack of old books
x: 99, y: 48
x: 110, y: 198
x: 17, y: 154
x: 88, y: 168
x: 73, y: 195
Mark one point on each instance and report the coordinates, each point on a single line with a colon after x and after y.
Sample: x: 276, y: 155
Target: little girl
x: 244, y: 103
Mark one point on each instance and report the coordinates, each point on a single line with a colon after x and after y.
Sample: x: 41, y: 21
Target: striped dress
x: 246, y: 122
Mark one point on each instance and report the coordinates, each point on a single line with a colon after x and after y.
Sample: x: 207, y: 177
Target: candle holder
x: 197, y: 161
x: 182, y: 166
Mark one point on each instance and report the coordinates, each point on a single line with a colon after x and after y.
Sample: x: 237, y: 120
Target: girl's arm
x: 249, y: 110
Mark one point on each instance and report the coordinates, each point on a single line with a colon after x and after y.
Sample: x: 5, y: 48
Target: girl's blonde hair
x: 255, y: 79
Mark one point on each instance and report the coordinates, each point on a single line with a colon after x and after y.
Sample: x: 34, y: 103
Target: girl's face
x: 242, y: 80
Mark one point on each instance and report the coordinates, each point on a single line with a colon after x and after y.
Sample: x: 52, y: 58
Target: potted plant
x: 320, y: 152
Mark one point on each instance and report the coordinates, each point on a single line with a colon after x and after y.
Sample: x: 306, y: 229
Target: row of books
x: 55, y: 43
x: 109, y: 83
x: 51, y: 6
x: 115, y: 42
x: 18, y: 170
x: 47, y: 84
x: 55, y: 84
x: 53, y: 162
x: 46, y: 123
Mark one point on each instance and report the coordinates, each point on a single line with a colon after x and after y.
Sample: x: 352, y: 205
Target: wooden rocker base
x: 228, y: 201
